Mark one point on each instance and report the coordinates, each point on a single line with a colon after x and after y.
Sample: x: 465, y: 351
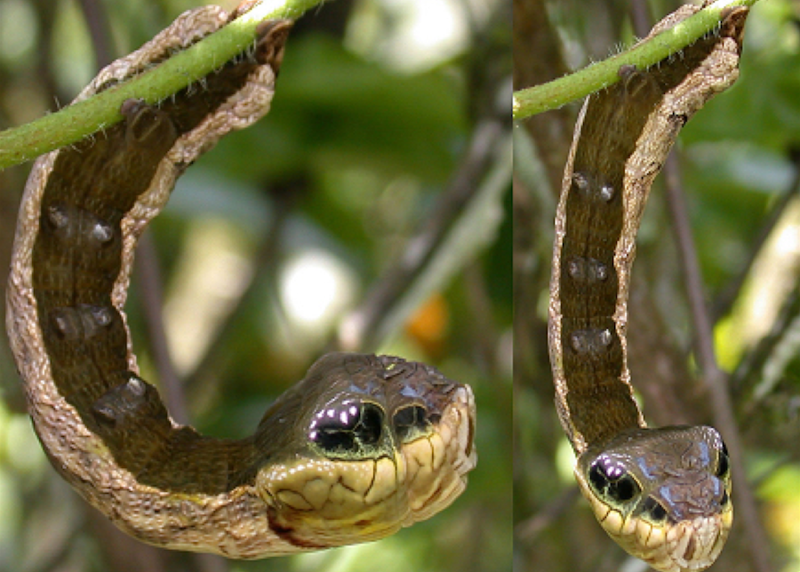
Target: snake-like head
x: 662, y: 494
x: 375, y: 443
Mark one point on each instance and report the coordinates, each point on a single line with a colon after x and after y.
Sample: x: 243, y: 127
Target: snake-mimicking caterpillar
x: 662, y: 494
x: 361, y: 447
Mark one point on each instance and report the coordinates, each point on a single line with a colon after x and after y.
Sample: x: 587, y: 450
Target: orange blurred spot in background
x: 428, y: 326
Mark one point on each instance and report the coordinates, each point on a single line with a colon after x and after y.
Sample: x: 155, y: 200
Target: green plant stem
x: 554, y: 94
x: 76, y: 121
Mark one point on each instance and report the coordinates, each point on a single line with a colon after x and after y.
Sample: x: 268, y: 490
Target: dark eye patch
x: 347, y: 428
x: 618, y: 487
x: 723, y: 463
x: 409, y: 421
x: 654, y: 509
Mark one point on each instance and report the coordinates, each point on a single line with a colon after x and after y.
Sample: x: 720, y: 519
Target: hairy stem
x: 77, y: 121
x: 554, y: 94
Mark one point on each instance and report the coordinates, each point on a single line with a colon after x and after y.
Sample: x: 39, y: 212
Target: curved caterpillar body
x: 662, y: 494
x: 359, y: 448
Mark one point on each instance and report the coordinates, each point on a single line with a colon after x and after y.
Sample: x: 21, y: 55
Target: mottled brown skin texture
x: 622, y: 138
x: 362, y: 446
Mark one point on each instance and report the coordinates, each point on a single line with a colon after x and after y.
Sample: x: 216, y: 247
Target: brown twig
x: 715, y: 378
x: 484, y: 331
x: 364, y: 324
x: 95, y: 16
x: 44, y: 60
